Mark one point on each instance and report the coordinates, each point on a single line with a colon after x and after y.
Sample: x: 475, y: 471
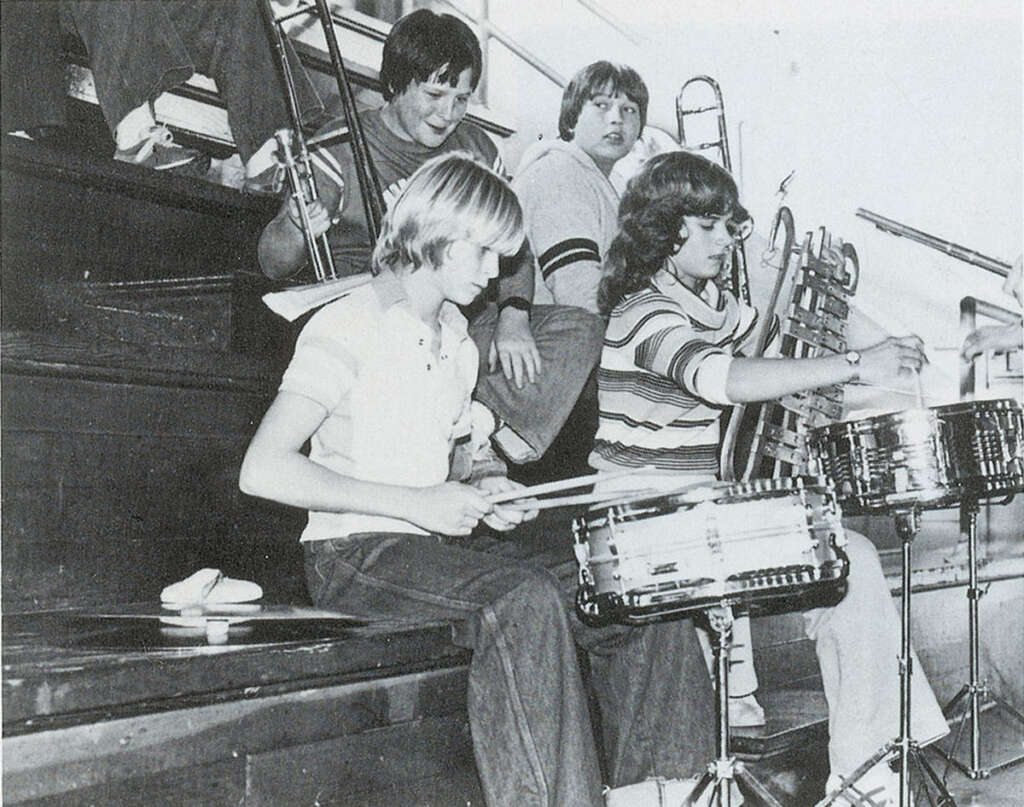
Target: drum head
x: 870, y: 425
x: 644, y: 505
x: 967, y: 407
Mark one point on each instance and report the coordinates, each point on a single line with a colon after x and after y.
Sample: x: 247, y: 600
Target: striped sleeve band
x: 329, y: 165
x: 568, y: 252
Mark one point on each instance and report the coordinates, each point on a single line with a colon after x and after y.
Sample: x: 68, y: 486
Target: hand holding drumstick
x: 519, y: 498
x: 892, y: 358
x: 999, y: 338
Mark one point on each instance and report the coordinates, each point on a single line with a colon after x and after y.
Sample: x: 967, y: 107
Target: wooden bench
x: 331, y: 715
x: 136, y: 361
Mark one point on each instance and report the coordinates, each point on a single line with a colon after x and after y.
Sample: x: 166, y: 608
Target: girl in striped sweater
x: 672, y: 362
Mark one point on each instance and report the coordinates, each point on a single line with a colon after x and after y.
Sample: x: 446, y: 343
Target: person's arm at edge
x: 513, y: 344
x: 767, y: 379
x: 282, y: 245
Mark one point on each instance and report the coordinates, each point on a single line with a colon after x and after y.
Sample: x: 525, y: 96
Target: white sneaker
x: 656, y: 791
x: 158, y: 150
x: 512, y: 445
x: 745, y: 711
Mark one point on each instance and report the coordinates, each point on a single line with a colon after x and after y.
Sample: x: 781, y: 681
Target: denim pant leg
x: 134, y: 51
x: 858, y: 644
x: 138, y: 50
x: 32, y: 71
x: 569, y: 341
x: 528, y: 713
x: 655, y: 700
x: 227, y: 40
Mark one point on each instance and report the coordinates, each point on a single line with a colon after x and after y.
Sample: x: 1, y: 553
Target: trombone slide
x: 953, y: 250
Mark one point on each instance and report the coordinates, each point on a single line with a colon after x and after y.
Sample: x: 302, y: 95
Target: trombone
x: 722, y: 144
x: 997, y: 267
x: 293, y: 151
x: 299, y: 171
x: 738, y: 272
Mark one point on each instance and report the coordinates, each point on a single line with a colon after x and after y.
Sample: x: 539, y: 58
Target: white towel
x: 210, y: 586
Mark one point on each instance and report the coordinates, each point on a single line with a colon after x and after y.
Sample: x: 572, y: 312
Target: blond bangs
x: 449, y: 198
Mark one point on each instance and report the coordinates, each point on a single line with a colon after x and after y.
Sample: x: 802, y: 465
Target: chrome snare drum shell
x: 890, y: 461
x: 986, y: 446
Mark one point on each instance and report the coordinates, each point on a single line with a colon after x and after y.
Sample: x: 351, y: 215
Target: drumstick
x: 583, y: 498
x: 563, y: 484
x: 891, y: 389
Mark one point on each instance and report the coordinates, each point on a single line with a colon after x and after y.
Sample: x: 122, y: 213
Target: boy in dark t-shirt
x: 534, y: 360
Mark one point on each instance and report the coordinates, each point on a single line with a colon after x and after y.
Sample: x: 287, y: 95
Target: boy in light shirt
x: 380, y: 386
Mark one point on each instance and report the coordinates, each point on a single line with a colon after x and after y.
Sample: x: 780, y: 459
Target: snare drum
x: 985, y: 441
x: 737, y: 543
x: 923, y: 458
x: 887, y: 461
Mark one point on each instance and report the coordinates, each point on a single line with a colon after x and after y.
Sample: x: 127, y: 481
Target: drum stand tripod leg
x: 975, y: 696
x: 903, y: 748
x: 723, y: 769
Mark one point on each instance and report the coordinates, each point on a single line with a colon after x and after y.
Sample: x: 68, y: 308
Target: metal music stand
x: 903, y: 748
x: 975, y: 696
x: 724, y: 768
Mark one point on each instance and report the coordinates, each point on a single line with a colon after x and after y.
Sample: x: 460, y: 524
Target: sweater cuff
x: 710, y: 379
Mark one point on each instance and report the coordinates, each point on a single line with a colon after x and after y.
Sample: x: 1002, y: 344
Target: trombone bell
x: 685, y: 109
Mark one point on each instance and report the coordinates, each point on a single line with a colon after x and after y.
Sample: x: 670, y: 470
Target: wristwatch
x: 853, y: 359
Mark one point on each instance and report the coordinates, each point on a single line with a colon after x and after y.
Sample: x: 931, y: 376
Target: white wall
x: 912, y: 110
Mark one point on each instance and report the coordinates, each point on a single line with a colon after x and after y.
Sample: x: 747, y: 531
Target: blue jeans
x: 569, y: 340
x: 32, y: 74
x: 528, y: 712
x: 139, y: 50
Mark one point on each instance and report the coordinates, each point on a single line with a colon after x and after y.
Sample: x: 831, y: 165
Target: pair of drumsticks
x: 525, y: 498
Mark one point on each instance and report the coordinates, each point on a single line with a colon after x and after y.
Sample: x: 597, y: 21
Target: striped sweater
x: 656, y: 341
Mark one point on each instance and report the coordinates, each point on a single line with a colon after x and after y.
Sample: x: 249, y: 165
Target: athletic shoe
x: 157, y: 150
x: 745, y: 712
x: 657, y: 791
x: 269, y: 182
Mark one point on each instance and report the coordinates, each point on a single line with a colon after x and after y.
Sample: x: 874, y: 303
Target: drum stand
x: 903, y: 748
x: 975, y: 696
x: 723, y: 769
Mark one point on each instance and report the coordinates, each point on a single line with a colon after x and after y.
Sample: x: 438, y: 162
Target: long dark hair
x: 668, y: 187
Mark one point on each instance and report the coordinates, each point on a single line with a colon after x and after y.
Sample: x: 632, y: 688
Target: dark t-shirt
x: 394, y: 160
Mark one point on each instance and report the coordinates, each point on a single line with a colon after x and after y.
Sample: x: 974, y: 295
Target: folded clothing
x: 210, y: 586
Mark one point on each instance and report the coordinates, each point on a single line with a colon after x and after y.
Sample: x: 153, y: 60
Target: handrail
x: 987, y: 309
x: 599, y: 11
x: 489, y: 30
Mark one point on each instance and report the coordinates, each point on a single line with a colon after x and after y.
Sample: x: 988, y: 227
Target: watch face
x: 853, y: 357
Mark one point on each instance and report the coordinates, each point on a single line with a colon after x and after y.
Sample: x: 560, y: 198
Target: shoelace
x: 158, y: 135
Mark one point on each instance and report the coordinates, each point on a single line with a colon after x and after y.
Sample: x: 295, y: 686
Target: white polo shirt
x: 394, y: 409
